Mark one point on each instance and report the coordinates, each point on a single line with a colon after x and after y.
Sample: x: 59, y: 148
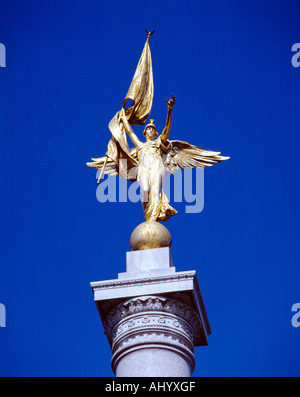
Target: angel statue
x: 148, y: 162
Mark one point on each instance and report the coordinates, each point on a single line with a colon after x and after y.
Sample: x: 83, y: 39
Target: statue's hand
x: 171, y: 102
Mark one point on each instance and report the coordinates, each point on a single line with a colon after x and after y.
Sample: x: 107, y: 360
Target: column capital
x: 162, y: 326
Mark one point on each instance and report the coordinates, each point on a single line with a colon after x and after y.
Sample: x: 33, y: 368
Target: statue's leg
x: 143, y: 180
x: 155, y: 195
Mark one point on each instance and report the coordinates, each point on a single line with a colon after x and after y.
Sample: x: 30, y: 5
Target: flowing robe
x: 151, y: 175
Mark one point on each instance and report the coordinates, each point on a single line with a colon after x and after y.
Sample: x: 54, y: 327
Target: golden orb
x: 150, y: 234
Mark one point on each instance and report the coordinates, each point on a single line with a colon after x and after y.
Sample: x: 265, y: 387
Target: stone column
x: 153, y: 316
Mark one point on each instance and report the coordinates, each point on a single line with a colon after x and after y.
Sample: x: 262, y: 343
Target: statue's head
x: 150, y: 131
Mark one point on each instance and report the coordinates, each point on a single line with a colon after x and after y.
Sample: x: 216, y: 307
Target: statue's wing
x: 184, y: 155
x: 112, y: 168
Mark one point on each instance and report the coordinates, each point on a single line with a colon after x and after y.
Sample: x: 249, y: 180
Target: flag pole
x: 104, y: 164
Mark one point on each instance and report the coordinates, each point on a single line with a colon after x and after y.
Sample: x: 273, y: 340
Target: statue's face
x: 150, y: 133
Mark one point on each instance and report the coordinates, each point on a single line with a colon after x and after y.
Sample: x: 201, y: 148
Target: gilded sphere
x: 150, y: 234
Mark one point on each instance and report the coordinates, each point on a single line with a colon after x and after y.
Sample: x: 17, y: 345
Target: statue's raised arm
x: 166, y: 131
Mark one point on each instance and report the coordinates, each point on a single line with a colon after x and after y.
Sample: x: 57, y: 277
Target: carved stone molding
x: 152, y: 322
x: 144, y: 304
x: 150, y: 325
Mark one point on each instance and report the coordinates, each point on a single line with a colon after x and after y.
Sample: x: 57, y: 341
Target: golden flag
x: 141, y: 93
x: 141, y: 89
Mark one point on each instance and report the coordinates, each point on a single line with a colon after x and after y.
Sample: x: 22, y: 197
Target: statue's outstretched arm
x: 129, y: 130
x: 165, y: 134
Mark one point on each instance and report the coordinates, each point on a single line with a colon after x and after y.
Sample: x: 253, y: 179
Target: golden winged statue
x: 150, y: 161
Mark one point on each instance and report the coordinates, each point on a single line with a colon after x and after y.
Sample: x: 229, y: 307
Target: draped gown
x: 151, y: 175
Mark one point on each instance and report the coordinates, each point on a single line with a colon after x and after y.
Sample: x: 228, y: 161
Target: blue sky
x: 68, y: 67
